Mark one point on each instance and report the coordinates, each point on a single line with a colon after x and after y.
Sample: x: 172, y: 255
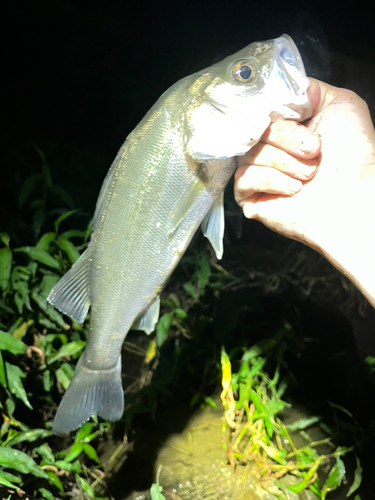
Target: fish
x: 167, y: 179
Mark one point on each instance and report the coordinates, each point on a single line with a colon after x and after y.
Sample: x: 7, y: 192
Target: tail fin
x: 89, y: 392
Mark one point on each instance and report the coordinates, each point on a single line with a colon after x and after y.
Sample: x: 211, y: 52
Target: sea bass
x: 167, y: 178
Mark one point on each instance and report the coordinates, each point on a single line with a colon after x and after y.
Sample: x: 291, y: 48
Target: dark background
x: 78, y: 76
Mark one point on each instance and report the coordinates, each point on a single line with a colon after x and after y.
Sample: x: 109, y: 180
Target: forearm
x: 347, y: 239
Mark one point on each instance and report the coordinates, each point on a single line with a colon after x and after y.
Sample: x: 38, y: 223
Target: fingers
x: 266, y: 155
x: 293, y: 138
x: 260, y: 179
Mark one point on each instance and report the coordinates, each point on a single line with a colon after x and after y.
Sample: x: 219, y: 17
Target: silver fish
x: 167, y: 178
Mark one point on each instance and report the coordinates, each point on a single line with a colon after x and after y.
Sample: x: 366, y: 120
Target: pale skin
x: 316, y: 183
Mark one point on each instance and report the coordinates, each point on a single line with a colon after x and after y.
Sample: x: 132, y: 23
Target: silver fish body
x: 168, y: 177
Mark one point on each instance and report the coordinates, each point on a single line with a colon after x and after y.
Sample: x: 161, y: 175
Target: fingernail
x: 308, y: 144
x: 292, y: 187
x: 307, y: 170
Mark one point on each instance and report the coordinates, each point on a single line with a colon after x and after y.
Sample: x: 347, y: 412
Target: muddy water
x: 193, y: 466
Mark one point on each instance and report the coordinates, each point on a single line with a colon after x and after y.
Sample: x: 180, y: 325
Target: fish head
x: 234, y: 101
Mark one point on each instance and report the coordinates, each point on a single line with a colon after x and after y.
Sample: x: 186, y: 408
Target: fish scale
x: 167, y: 179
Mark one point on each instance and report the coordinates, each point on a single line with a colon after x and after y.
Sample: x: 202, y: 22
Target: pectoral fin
x: 71, y: 294
x: 149, y: 319
x: 213, y: 226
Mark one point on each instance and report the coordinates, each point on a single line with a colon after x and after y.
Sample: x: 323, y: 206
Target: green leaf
x: 162, y: 328
x: 14, y: 375
x: 21, y: 330
x: 64, y: 216
x: 39, y: 255
x: 85, y: 486
x: 3, y: 380
x: 62, y: 378
x: 357, y: 478
x: 29, y: 436
x: 4, y: 237
x: 84, y: 431
x: 17, y: 460
x: 5, y: 266
x: 70, y: 249
x: 63, y: 195
x: 72, y: 349
x: 156, y: 492
x: 10, y: 477
x: 7, y: 483
x: 44, y: 450
x: 11, y: 344
x: 190, y: 289
x: 334, y: 478
x: 63, y: 465
x: 180, y: 313
x: 45, y: 241
x: 74, y: 451
x: 49, y: 310
x: 303, y: 423
x: 27, y: 188
x: 91, y: 453
x: 53, y: 479
x: 46, y: 494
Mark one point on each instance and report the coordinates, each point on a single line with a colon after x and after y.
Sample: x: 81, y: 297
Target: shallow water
x: 193, y: 466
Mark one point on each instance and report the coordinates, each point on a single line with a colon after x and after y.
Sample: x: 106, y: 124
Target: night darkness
x: 78, y: 76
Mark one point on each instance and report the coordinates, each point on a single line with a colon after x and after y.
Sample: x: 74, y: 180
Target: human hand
x: 332, y: 209
x: 276, y: 169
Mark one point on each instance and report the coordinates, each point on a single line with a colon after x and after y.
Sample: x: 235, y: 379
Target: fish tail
x: 89, y: 392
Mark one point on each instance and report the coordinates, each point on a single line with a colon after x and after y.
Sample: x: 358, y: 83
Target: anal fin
x: 149, y: 319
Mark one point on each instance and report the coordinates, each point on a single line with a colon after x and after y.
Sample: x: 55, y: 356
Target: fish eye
x: 243, y: 71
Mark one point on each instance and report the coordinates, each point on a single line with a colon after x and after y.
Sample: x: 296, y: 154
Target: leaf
x: 49, y: 310
x: 84, y: 431
x: 162, y: 328
x: 30, y: 436
x: 7, y: 483
x: 17, y: 460
x: 5, y: 266
x: 85, y: 486
x: 21, y: 330
x: 156, y: 492
x: 14, y: 375
x: 70, y: 249
x: 357, y: 478
x: 44, y: 450
x: 303, y: 423
x: 53, y: 479
x: 62, y: 378
x: 72, y: 349
x: 180, y: 313
x: 39, y: 255
x: 39, y: 218
x: 335, y: 477
x: 3, y: 380
x: 64, y: 216
x: 64, y: 195
x: 190, y: 289
x: 10, y: 477
x: 27, y: 188
x: 74, y: 451
x: 63, y: 465
x: 45, y: 241
x: 91, y: 453
x: 4, y: 237
x: 11, y: 344
x: 46, y: 494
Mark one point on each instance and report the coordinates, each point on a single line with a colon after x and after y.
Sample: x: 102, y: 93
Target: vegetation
x: 39, y: 348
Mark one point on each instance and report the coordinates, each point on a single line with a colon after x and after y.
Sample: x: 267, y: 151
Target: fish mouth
x: 287, y: 51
